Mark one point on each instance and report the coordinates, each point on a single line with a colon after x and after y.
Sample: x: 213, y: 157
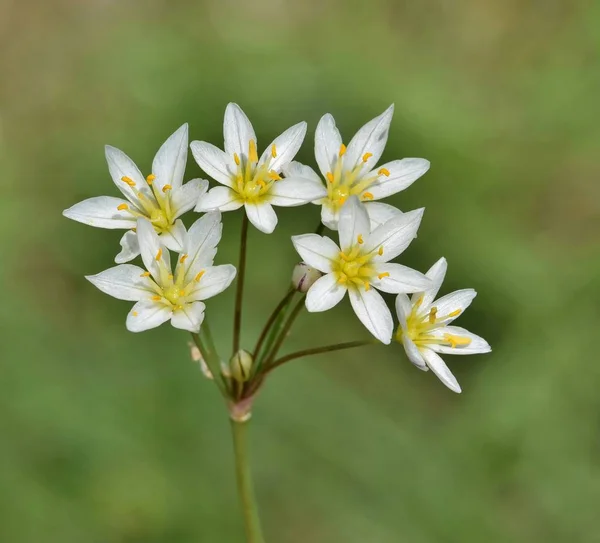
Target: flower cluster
x: 349, y: 188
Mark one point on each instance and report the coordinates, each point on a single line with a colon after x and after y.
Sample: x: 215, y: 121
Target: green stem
x: 244, y: 481
x: 285, y: 331
x: 237, y: 317
x: 280, y: 307
x: 211, y: 357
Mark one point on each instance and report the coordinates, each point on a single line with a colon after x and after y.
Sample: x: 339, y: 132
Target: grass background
x: 110, y: 437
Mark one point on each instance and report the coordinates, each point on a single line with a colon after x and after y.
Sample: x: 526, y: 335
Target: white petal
x: 436, y: 273
x: 380, y: 213
x: 327, y: 144
x: 477, y: 344
x: 413, y: 353
x: 329, y: 217
x: 201, y: 244
x: 186, y: 197
x: 295, y: 192
x: 238, y: 131
x: 395, y: 235
x: 214, y: 162
x: 124, y: 282
x: 119, y: 166
x: 372, y: 311
x: 214, y: 281
x: 151, y: 248
x: 317, y: 251
x: 438, y: 366
x: 130, y: 247
x: 189, y: 317
x: 101, y: 212
x: 219, y: 198
x: 353, y: 222
x: 457, y: 300
x: 261, y: 216
x: 371, y: 138
x: 169, y: 163
x: 296, y: 169
x: 403, y: 309
x: 403, y: 173
x: 175, y: 237
x: 147, y: 314
x: 400, y: 279
x: 324, y: 294
x: 286, y: 147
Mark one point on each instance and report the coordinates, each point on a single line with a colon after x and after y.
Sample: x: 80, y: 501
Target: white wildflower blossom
x: 353, y: 170
x: 425, y: 329
x: 248, y: 180
x: 161, y: 197
x: 162, y: 295
x: 360, y: 265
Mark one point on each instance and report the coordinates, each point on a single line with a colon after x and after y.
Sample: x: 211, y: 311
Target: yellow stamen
x: 199, y: 276
x: 367, y: 156
x: 380, y: 252
x: 342, y: 279
x: 420, y: 300
x: 384, y: 171
x: 342, y: 150
x: 150, y: 178
x: 158, y: 254
x: 122, y: 207
x: 367, y: 286
x: 360, y: 239
x: 134, y: 313
x: 343, y: 256
x: 236, y: 158
x: 432, y: 315
x: 382, y: 275
x: 367, y: 196
x: 261, y: 183
x: 342, y: 200
x: 273, y: 150
x: 145, y: 274
x: 156, y: 298
x: 457, y: 341
x: 274, y: 175
x: 128, y: 180
x: 166, y: 188
x: 182, y: 259
x: 182, y: 292
x: 329, y: 177
x: 252, y: 154
x: 455, y: 313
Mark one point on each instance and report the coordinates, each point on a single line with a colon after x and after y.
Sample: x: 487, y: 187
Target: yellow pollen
x: 274, y: 175
x: 380, y: 252
x: 432, y: 315
x: 457, y: 341
x: 236, y: 158
x: 330, y: 177
x: 145, y: 274
x: 384, y: 171
x: 360, y: 239
x: 199, y: 276
x: 158, y: 254
x: 156, y: 298
x: 382, y: 275
x: 128, y: 180
x: 182, y: 259
x: 134, y: 313
x: 367, y: 286
x: 252, y: 155
x: 342, y: 150
x: 455, y: 313
x: 150, y: 178
x: 342, y: 200
x: 367, y: 196
x: 182, y: 292
x: 166, y: 188
x: 367, y: 156
x: 261, y: 183
x: 122, y: 207
x: 273, y: 150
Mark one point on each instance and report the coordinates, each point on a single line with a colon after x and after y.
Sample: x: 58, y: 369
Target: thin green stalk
x: 237, y: 317
x: 285, y: 331
x: 276, y: 312
x: 244, y: 481
x: 211, y: 357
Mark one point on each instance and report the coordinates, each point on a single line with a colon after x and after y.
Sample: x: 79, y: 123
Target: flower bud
x: 303, y: 277
x: 240, y: 366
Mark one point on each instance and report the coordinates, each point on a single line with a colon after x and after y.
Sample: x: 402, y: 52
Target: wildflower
x: 362, y: 265
x: 353, y: 170
x: 425, y: 329
x: 161, y: 197
x: 248, y: 180
x: 162, y: 295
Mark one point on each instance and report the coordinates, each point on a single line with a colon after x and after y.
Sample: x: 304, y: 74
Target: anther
x: 158, y: 254
x: 166, y: 188
x: 273, y: 150
x: 182, y: 292
x: 343, y: 256
x: 122, y: 207
x: 367, y: 285
x: 182, y: 259
x: 156, y: 298
x: 360, y: 239
x: 457, y: 341
x: 384, y: 171
x: 329, y: 177
x: 145, y: 274
x: 432, y: 315
x: 454, y: 313
x: 261, y: 183
x: 380, y: 251
x: 150, y: 178
x: 342, y: 150
x: 236, y: 158
x: 128, y: 180
x: 199, y: 276
x: 274, y: 175
x: 367, y: 196
x: 419, y: 300
x: 382, y: 275
x: 134, y: 313
x: 342, y: 200
x: 252, y: 155
x: 367, y: 156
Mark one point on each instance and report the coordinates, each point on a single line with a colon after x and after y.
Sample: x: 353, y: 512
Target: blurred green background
x: 112, y: 437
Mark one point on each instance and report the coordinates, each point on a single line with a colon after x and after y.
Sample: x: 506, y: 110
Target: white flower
x: 160, y: 197
x: 251, y: 181
x: 352, y: 170
x: 424, y: 326
x: 162, y: 295
x: 361, y: 263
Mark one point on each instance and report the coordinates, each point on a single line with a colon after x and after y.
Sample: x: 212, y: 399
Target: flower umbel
x: 161, y: 294
x: 161, y: 197
x: 360, y: 265
x: 425, y: 329
x: 248, y: 180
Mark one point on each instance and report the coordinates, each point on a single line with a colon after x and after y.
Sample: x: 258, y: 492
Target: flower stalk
x: 239, y: 293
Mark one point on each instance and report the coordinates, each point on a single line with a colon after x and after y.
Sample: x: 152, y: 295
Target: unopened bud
x: 303, y: 277
x: 240, y: 366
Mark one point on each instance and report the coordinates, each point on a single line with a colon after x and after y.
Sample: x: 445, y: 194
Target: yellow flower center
x: 252, y: 181
x: 354, y: 267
